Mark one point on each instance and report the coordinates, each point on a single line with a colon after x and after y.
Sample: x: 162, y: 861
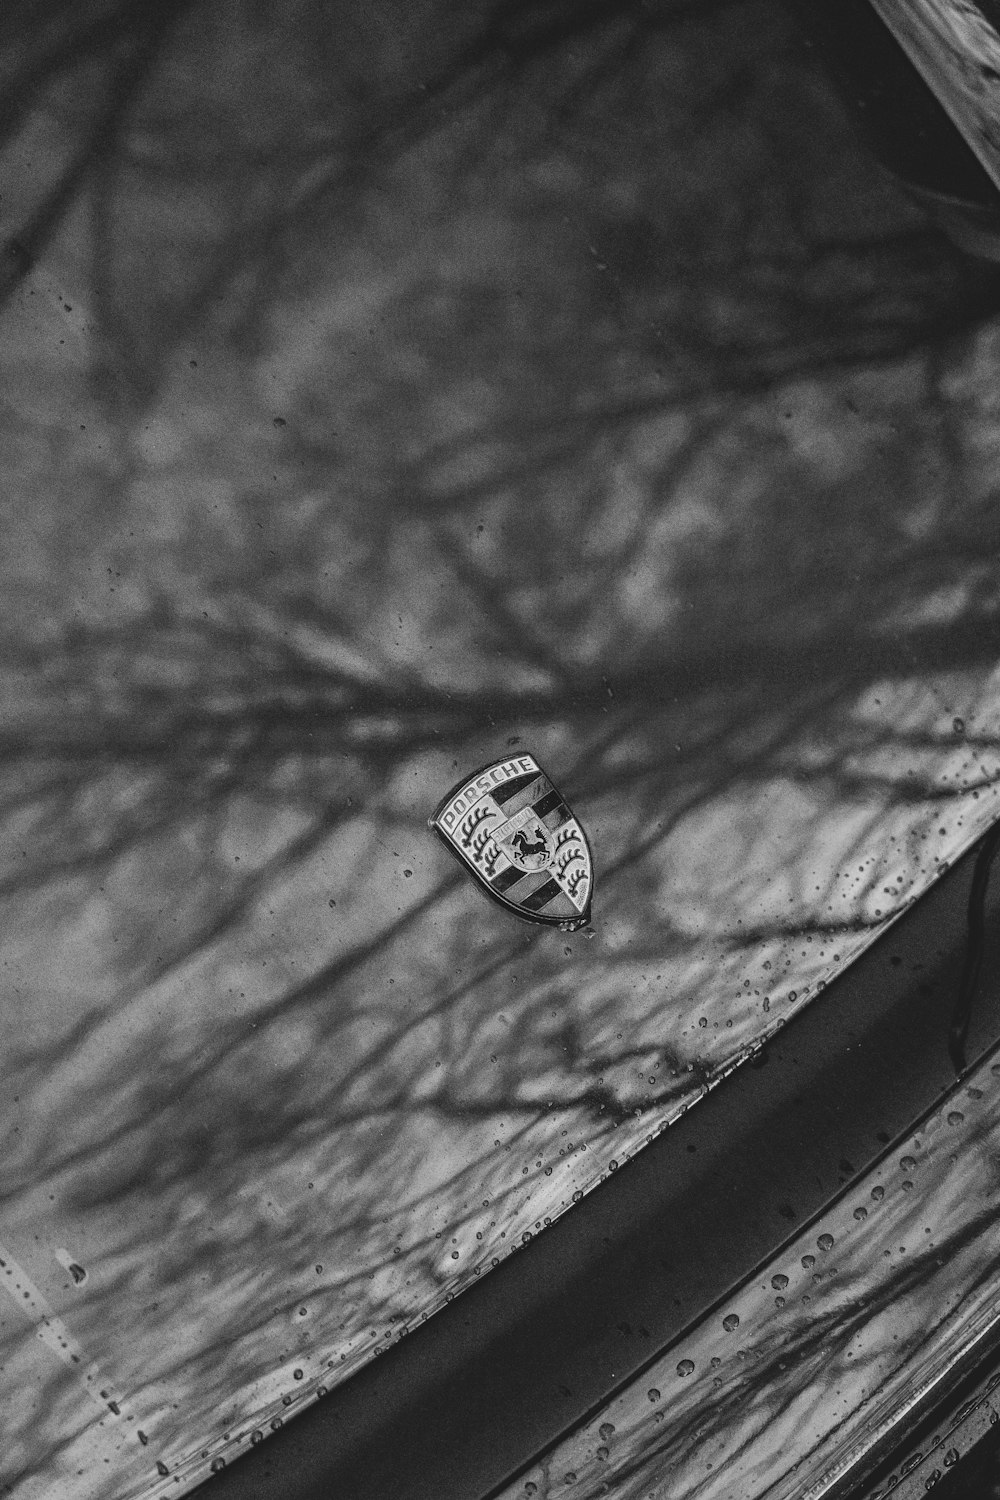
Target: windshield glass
x: 386, y: 393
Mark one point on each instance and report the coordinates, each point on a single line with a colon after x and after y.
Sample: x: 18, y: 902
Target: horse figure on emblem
x: 525, y: 848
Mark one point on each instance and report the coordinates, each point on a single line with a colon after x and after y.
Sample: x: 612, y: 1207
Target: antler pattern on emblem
x: 486, y: 850
x: 571, y: 844
x: 575, y: 881
x: 472, y: 822
x: 568, y: 858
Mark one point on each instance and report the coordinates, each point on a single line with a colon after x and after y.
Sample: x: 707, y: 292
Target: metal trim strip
x: 956, y: 48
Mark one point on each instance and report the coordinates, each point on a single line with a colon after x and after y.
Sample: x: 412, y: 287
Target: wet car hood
x: 556, y: 393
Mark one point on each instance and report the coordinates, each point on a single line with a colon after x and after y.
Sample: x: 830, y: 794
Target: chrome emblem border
x: 517, y: 836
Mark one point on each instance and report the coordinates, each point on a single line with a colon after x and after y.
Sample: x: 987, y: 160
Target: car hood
x: 353, y: 446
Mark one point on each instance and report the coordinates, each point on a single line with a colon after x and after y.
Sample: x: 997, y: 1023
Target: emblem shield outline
x: 568, y: 922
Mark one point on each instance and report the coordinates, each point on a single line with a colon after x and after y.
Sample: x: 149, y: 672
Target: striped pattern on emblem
x: 535, y: 891
x: 548, y: 803
x: 511, y: 789
x: 542, y: 898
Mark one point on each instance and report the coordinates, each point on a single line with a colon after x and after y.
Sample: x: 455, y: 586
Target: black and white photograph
x: 500, y: 749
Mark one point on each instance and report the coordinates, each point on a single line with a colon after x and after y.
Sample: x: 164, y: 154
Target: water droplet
x: 779, y: 1301
x: 825, y: 1242
x: 731, y: 1322
x: 296, y: 1374
x: 217, y: 1465
x: 577, y: 1196
x: 256, y: 1436
x: 602, y: 1453
x: 77, y: 1272
x: 808, y: 1260
x: 955, y: 1117
x: 779, y: 1281
x: 906, y: 1164
x: 606, y: 1431
x: 906, y: 1185
x: 860, y: 1212
x: 653, y: 1393
x: 570, y: 1477
x: 454, y: 1255
x: 407, y: 873
x: 142, y: 1437
x: 932, y: 1479
x: 878, y: 1193
x: 161, y: 1467
x: 276, y: 1422
x: 530, y: 1488
x: 958, y: 725
x: 526, y: 1236
x: 686, y: 1367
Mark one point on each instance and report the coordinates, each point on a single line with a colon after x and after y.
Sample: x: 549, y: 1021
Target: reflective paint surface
x: 782, y: 1391
x: 573, y: 395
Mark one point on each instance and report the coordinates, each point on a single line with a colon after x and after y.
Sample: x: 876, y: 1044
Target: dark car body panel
x: 661, y: 1251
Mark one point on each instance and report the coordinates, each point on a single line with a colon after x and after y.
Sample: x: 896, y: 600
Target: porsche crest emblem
x: 512, y: 829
